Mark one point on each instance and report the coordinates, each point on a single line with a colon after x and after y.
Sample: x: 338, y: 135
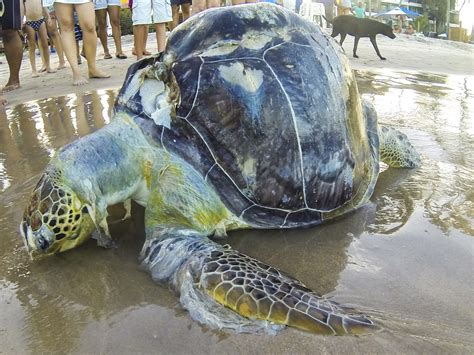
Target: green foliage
x: 436, y: 9
x: 422, y: 23
x: 126, y: 22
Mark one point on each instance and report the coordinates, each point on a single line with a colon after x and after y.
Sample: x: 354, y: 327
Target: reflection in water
x: 437, y: 112
x: 57, y: 302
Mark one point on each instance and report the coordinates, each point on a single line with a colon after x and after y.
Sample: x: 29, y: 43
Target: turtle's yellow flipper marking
x: 258, y: 291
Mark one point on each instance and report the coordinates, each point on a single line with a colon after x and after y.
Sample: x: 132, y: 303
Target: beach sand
x: 405, y: 53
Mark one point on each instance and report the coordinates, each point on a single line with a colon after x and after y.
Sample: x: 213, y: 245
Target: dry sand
x: 405, y: 53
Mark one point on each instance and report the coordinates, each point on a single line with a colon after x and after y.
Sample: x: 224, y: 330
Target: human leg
x: 160, y: 30
x: 43, y: 43
x: 161, y: 15
x: 140, y: 33
x: 64, y: 13
x: 101, y: 16
x: 186, y: 9
x: 114, y: 15
x: 30, y: 35
x: 141, y: 17
x: 85, y: 14
x: 14, y: 53
x: 199, y: 5
x: 13, y: 46
x: 175, y: 14
x: 52, y: 27
x: 213, y: 3
x: 145, y: 40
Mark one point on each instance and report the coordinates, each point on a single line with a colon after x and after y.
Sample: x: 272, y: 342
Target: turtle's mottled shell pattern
x: 269, y: 114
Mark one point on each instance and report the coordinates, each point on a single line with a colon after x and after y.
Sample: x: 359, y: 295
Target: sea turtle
x: 251, y: 118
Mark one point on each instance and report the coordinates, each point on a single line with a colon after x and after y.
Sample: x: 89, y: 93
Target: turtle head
x: 55, y: 219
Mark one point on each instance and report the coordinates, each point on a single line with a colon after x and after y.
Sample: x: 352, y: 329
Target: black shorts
x: 11, y: 19
x: 180, y: 2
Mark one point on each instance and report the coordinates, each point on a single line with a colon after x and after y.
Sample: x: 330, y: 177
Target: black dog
x: 360, y: 27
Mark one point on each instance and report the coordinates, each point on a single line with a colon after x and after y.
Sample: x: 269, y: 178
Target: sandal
x: 121, y: 56
x: 107, y: 56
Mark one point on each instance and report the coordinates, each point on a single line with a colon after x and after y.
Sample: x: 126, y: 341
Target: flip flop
x: 107, y: 56
x: 121, y: 56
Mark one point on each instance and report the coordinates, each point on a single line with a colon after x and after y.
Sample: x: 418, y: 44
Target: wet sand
x: 405, y: 259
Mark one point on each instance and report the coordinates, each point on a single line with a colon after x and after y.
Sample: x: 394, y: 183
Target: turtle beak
x: 37, y: 242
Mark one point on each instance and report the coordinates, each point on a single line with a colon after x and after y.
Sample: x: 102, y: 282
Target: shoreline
x: 404, y: 54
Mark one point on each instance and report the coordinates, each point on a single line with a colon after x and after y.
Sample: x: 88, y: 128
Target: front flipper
x: 208, y: 275
x: 396, y: 150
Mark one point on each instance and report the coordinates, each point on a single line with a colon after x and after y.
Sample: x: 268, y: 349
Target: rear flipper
x: 396, y: 150
x: 223, y: 288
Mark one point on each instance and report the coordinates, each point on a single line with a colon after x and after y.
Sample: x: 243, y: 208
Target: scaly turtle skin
x: 251, y: 118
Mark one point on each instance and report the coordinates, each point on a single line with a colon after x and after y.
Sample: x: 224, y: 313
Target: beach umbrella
x: 409, y: 13
x: 398, y: 11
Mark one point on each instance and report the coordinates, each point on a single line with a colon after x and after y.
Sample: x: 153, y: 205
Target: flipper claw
x: 128, y: 209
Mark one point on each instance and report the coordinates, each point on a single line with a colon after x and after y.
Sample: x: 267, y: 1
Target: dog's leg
x: 374, y: 43
x: 343, y: 37
x: 356, y: 43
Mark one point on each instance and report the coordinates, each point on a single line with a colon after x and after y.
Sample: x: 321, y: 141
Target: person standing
x: 86, y: 15
x: 145, y: 34
x: 185, y: 8
x: 36, y: 25
x: 201, y: 5
x: 52, y: 27
x: 10, y: 24
x: 343, y: 7
x: 112, y: 7
x: 359, y: 10
x: 146, y: 12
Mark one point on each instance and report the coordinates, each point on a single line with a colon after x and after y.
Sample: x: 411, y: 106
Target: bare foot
x: 61, y: 66
x: 10, y: 87
x: 34, y: 75
x: 98, y: 74
x: 145, y: 52
x: 51, y: 70
x: 79, y: 80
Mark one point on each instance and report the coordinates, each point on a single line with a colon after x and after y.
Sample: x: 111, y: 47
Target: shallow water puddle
x: 406, y: 258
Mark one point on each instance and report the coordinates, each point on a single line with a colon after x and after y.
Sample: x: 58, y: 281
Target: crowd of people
x: 63, y: 23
